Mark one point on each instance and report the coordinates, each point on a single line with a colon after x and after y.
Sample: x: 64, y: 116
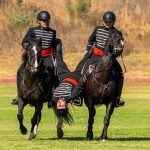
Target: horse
x: 33, y: 89
x: 100, y: 87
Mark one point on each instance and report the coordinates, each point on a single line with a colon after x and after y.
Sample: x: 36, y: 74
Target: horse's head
x: 116, y: 43
x: 33, y: 54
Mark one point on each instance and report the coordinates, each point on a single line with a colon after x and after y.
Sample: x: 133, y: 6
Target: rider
x: 47, y: 36
x: 98, y: 44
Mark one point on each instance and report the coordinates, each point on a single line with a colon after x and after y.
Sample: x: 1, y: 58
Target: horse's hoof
x: 60, y: 133
x: 23, y: 130
x: 32, y: 136
x: 89, y: 136
x: 89, y: 139
x: 103, y: 139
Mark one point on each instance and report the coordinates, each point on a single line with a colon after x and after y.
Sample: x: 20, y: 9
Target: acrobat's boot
x: 75, y: 94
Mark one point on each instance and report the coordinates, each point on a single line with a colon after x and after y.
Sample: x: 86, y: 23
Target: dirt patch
x: 8, y: 80
x: 138, y: 80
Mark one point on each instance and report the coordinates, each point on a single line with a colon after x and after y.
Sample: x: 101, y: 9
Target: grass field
x: 129, y: 128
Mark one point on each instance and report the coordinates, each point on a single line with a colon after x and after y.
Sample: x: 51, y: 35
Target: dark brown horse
x: 100, y: 87
x: 33, y: 89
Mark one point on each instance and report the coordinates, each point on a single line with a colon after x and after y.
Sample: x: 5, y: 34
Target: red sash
x: 46, y: 52
x: 98, y: 51
x: 73, y: 81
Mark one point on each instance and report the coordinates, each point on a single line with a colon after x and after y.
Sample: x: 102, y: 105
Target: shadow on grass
x: 130, y: 139
x: 66, y: 138
x: 98, y: 139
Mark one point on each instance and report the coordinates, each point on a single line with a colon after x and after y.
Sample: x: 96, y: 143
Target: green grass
x: 129, y: 127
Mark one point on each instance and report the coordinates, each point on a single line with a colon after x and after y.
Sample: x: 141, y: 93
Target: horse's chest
x: 101, y: 94
x: 32, y: 92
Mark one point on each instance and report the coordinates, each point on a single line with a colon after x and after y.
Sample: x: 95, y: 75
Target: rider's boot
x: 119, y: 101
x: 19, y: 77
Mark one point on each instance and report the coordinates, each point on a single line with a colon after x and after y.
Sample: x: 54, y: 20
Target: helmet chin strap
x: 107, y: 27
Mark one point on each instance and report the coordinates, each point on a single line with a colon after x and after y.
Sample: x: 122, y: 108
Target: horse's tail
x: 64, y: 114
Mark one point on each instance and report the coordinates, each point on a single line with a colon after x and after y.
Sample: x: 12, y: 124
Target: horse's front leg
x: 92, y: 113
x: 109, y: 111
x: 60, y: 132
x: 35, y: 121
x: 21, y: 106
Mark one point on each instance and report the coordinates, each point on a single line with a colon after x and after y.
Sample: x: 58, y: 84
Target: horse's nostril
x: 33, y: 70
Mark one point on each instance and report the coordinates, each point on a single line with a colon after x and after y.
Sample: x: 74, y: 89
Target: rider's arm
x: 57, y: 45
x: 91, y: 40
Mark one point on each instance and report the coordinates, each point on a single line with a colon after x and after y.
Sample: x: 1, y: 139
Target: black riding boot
x: 19, y: 77
x: 15, y: 101
x: 75, y: 94
x: 119, y: 101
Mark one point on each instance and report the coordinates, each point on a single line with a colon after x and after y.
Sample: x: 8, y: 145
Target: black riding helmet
x: 43, y: 15
x: 109, y: 16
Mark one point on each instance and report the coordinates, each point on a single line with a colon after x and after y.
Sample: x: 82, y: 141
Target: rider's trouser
x: 19, y: 75
x: 120, y: 78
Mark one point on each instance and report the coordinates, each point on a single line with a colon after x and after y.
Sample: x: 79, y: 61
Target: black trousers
x: 19, y: 74
x: 87, y: 60
x: 119, y: 76
x: 63, y: 71
x: 118, y: 70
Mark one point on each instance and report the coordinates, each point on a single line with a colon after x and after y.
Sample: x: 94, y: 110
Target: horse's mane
x: 24, y: 56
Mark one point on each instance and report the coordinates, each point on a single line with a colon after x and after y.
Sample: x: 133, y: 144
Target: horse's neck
x: 101, y: 77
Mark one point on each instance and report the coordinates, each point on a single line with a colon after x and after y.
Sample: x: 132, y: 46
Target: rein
x: 32, y: 90
x: 29, y: 67
x: 104, y: 86
x: 100, y: 84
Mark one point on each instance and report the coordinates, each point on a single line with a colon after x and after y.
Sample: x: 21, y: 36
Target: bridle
x: 117, y: 41
x: 29, y: 66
